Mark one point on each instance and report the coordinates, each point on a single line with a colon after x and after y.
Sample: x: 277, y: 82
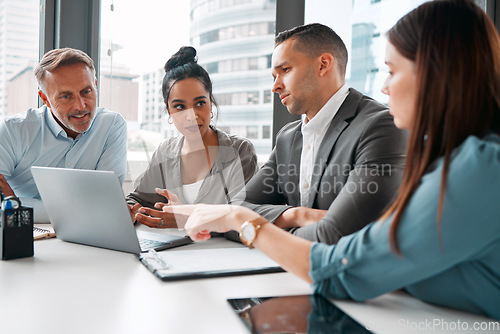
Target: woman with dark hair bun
x: 201, y: 165
x: 440, y: 240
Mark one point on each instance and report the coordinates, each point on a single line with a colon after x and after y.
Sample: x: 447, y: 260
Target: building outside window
x: 237, y: 58
x: 362, y: 25
x: 19, y: 48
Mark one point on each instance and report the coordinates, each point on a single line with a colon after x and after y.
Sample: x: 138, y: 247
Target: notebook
x: 88, y: 207
x: 40, y: 233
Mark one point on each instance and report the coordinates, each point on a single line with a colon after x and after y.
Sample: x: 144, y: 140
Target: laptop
x: 88, y: 207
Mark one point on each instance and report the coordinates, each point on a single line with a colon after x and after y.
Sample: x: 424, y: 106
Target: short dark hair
x: 315, y: 39
x: 182, y: 65
x: 61, y: 57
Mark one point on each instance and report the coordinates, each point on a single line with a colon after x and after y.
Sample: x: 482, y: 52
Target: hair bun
x: 185, y: 55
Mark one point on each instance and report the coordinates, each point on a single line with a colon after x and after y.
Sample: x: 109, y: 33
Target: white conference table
x: 71, y: 288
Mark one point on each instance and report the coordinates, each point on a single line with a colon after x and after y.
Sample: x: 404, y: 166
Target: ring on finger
x: 161, y: 222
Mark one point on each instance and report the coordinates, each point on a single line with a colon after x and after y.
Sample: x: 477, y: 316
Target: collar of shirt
x: 57, y: 129
x: 319, y: 123
x: 313, y: 133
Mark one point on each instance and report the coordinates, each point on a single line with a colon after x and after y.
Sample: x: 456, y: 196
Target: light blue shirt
x: 458, y: 267
x: 34, y: 138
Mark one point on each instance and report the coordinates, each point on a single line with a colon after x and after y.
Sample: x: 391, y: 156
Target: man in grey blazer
x: 335, y: 170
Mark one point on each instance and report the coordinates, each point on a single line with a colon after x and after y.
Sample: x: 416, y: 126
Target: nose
x: 191, y: 115
x: 278, y: 85
x: 79, y: 103
x: 385, y: 87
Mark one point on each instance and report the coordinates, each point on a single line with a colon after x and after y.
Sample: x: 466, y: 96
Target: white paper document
x: 198, y: 263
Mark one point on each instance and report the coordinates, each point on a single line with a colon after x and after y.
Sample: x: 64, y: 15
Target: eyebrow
x: 64, y: 93
x: 67, y: 92
x: 195, y: 99
x: 87, y: 87
x: 277, y: 67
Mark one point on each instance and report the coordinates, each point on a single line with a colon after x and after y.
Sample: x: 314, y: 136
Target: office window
x: 19, y: 53
x: 252, y: 132
x: 268, y: 96
x: 238, y: 60
x: 133, y: 53
x: 237, y: 64
x: 238, y: 98
x: 266, y: 131
x: 232, y: 32
x: 211, y: 6
x: 362, y: 25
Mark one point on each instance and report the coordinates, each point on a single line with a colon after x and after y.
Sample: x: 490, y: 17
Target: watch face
x: 248, y: 232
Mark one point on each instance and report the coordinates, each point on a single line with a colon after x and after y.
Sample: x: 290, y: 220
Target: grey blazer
x: 357, y: 171
x: 234, y: 165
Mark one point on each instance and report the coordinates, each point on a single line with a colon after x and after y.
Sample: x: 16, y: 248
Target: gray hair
x: 61, y: 57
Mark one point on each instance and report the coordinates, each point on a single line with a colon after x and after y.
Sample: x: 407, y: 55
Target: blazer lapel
x: 345, y: 114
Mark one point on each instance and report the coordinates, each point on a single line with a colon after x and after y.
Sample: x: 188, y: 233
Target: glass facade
x: 19, y: 30
x: 235, y: 40
x: 362, y: 25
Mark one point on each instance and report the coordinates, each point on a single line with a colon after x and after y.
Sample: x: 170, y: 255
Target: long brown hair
x: 456, y: 49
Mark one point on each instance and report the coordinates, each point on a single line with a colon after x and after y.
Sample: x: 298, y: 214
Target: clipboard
x: 174, y: 265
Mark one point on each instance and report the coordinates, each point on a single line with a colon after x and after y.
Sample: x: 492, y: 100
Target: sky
x: 149, y: 31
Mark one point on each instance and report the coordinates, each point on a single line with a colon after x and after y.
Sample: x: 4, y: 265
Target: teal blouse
x: 458, y: 267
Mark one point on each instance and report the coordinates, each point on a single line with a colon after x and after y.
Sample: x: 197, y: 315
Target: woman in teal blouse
x: 440, y: 240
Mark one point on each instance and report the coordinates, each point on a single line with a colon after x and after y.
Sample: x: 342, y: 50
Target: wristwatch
x: 250, y: 230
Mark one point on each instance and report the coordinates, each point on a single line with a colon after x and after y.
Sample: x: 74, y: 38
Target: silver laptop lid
x: 87, y: 207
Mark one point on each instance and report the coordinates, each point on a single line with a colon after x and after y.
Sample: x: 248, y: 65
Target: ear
x: 44, y: 98
x: 326, y: 63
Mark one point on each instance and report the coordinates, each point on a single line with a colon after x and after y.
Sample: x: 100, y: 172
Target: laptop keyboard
x: 149, y: 243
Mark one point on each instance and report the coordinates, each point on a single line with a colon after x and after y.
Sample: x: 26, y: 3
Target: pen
x: 155, y: 256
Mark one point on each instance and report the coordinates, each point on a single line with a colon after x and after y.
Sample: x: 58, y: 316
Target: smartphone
x: 294, y: 314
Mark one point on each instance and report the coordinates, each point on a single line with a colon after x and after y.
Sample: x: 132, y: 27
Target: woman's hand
x: 162, y: 218
x: 291, y: 252
x: 215, y: 218
x: 172, y: 198
x: 133, y: 209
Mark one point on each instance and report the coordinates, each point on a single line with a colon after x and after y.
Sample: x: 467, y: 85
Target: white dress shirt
x: 313, y: 132
x: 191, y: 191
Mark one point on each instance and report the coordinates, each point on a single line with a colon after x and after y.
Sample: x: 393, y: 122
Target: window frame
x: 77, y: 24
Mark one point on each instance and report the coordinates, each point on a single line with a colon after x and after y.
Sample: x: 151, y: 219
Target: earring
x: 170, y: 120
x: 211, y: 114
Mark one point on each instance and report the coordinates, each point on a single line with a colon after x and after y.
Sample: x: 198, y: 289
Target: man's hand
x: 4, y: 186
x: 299, y: 217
